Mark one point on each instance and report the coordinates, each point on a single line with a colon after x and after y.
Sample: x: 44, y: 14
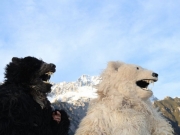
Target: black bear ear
x: 15, y: 60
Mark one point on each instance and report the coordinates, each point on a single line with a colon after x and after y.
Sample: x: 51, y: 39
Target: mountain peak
x: 86, y: 80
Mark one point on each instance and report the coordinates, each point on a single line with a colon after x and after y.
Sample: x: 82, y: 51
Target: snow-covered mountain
x: 84, y: 87
x: 74, y: 97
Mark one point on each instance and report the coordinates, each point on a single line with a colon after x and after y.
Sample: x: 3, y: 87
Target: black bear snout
x: 52, y: 65
x: 154, y: 74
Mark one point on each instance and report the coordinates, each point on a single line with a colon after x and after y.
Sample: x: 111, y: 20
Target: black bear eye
x: 137, y: 68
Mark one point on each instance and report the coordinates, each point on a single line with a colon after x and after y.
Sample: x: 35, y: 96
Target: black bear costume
x: 24, y: 107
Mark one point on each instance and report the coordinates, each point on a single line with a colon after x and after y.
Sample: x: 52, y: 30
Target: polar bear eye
x: 137, y: 68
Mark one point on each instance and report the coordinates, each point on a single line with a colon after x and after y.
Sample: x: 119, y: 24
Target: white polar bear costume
x: 123, y: 106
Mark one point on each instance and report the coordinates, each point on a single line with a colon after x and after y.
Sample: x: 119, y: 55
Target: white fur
x: 123, y: 108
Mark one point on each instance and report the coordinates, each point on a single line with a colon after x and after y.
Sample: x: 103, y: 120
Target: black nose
x: 52, y: 65
x: 154, y: 74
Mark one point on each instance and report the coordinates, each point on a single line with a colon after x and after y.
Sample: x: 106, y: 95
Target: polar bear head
x: 128, y: 80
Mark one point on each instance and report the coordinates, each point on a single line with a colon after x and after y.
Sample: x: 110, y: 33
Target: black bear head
x: 31, y: 72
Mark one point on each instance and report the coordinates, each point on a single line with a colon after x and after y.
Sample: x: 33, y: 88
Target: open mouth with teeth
x: 46, y: 77
x: 143, y: 84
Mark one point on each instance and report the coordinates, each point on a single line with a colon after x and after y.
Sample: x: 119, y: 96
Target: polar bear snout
x: 154, y: 74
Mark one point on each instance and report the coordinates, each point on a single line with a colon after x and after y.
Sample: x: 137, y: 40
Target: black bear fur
x: 24, y: 107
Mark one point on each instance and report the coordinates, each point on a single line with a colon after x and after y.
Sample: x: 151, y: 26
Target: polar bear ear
x: 114, y: 65
x: 15, y: 60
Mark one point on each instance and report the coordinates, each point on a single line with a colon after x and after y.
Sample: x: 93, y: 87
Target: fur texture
x: 122, y: 106
x: 24, y: 107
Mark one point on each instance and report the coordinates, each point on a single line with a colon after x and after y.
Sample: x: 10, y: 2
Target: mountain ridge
x: 170, y: 108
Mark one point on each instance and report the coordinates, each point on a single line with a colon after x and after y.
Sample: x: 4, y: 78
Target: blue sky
x: 81, y: 36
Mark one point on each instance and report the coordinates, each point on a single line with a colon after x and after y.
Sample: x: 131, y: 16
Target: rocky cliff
x: 170, y: 108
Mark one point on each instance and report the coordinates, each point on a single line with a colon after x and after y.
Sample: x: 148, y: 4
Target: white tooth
x: 49, y: 73
x: 144, y: 88
x: 151, y: 85
x: 46, y: 81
